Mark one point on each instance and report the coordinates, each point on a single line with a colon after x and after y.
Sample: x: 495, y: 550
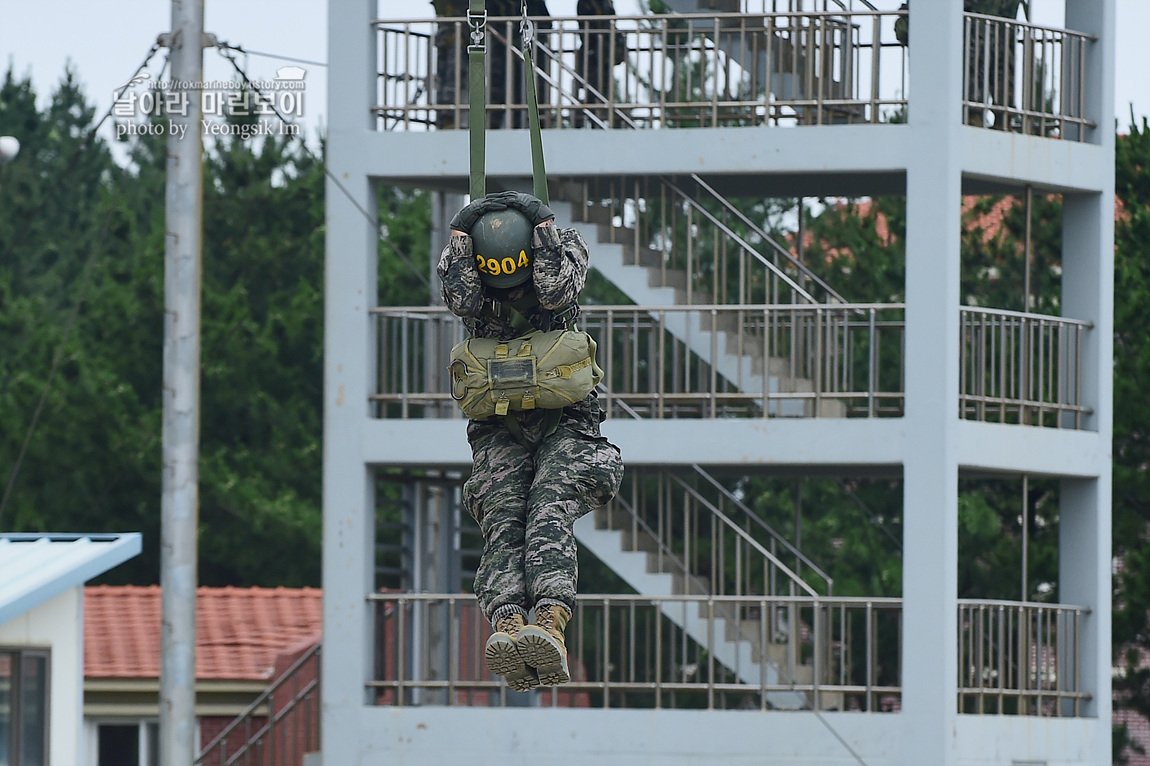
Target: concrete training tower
x: 728, y: 358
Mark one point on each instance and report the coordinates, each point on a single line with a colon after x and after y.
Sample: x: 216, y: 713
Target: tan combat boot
x: 542, y: 647
x: 503, y: 657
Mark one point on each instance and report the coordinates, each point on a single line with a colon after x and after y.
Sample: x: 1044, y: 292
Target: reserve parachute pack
x: 545, y: 370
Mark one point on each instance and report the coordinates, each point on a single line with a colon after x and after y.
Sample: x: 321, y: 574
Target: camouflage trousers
x: 526, y: 499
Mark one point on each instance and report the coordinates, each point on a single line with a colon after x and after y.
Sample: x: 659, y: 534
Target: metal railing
x: 754, y: 525
x: 280, y: 727
x: 1022, y: 368
x: 1020, y: 658
x: 828, y: 65
x: 631, y: 651
x: 701, y: 244
x: 1025, y: 78
x: 820, y: 360
x: 699, y: 70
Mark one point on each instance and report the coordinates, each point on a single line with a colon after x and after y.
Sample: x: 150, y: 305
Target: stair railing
x: 624, y: 120
x: 746, y: 246
x: 831, y: 293
x: 274, y: 729
x: 743, y: 544
x: 587, y: 110
x: 674, y: 539
x: 753, y: 520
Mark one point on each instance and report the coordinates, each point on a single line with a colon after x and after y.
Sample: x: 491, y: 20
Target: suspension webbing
x: 477, y: 107
x: 538, y: 170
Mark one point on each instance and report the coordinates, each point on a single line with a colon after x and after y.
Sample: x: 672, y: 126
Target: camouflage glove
x: 529, y: 205
x: 465, y: 219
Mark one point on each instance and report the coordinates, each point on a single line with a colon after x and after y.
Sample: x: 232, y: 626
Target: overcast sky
x: 106, y: 40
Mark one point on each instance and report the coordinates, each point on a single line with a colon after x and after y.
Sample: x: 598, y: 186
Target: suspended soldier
x: 508, y: 270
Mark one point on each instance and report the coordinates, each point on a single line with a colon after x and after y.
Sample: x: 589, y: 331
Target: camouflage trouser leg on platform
x: 526, y: 502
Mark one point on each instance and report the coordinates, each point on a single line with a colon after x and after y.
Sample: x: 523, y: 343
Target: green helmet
x: 502, y: 247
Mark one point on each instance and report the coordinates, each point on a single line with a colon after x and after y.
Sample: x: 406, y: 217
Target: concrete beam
x: 863, y: 446
x: 997, y: 448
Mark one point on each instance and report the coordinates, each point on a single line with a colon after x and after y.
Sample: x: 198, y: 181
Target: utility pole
x: 181, y: 430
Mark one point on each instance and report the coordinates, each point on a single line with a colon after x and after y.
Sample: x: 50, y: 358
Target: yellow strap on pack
x: 501, y: 351
x: 565, y: 371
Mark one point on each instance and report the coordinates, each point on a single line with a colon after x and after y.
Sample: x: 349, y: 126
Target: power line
x: 250, y: 52
x: 225, y: 50
x: 839, y: 737
x: 86, y: 279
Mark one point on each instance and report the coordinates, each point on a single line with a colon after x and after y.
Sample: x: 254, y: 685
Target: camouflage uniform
x: 526, y: 496
x: 450, y: 60
x: 990, y: 54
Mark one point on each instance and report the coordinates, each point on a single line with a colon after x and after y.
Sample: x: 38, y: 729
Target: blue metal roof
x: 34, y: 567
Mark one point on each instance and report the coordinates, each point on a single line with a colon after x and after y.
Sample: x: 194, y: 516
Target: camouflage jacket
x: 558, y: 272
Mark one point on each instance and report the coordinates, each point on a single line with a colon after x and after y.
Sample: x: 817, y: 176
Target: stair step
x: 640, y: 541
x: 647, y: 258
x: 681, y: 585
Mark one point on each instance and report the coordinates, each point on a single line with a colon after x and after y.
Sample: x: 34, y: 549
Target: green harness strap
x: 477, y: 110
x: 477, y: 119
x: 538, y: 169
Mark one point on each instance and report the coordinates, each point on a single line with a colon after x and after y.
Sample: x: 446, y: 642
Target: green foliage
x: 860, y: 250
x: 990, y: 540
x: 93, y: 462
x: 994, y: 254
x: 1131, y: 435
x: 850, y: 528
x: 407, y: 217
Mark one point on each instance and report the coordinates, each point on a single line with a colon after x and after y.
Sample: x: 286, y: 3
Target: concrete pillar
x: 1088, y: 293
x: 930, y: 493
x: 349, y: 367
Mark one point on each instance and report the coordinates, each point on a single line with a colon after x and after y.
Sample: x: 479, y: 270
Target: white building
x: 42, y: 580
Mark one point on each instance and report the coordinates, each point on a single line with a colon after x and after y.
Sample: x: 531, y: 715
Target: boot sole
x: 543, y: 653
x: 503, y: 659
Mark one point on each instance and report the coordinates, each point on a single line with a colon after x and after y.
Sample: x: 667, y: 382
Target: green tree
x: 1132, y: 430
x: 93, y: 461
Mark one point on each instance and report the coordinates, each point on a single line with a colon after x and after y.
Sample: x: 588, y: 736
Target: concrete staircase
x: 647, y: 283
x: 735, y: 644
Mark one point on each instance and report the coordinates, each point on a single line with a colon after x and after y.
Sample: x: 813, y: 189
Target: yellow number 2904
x: 508, y: 265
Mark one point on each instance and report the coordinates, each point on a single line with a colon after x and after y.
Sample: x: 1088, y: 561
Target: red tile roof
x: 239, y: 631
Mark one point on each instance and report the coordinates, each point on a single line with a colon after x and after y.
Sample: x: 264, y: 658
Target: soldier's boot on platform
x: 542, y: 647
x: 502, y: 652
